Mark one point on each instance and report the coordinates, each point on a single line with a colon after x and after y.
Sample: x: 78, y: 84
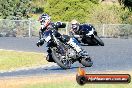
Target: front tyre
x: 86, y: 61
x: 62, y: 61
x: 98, y: 40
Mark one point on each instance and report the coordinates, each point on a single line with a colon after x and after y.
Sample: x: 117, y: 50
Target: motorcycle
x: 90, y: 37
x: 63, y: 53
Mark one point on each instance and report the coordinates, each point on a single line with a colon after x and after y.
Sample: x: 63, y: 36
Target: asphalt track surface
x: 115, y: 55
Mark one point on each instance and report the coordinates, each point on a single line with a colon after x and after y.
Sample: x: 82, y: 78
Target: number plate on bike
x: 47, y: 39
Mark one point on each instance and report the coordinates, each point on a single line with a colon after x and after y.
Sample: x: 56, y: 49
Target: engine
x: 71, y: 53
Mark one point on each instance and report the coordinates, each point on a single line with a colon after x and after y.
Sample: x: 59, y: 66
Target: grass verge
x: 10, y: 60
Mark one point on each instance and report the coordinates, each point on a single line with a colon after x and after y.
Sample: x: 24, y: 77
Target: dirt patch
x: 18, y: 82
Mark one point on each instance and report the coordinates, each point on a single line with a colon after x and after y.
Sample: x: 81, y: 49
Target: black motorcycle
x: 90, y: 37
x: 63, y: 54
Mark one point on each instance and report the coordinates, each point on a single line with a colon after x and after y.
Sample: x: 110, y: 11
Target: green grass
x: 69, y: 84
x: 10, y: 60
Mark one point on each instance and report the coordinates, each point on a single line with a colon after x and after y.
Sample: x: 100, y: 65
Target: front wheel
x: 86, y: 61
x: 98, y: 40
x: 62, y: 61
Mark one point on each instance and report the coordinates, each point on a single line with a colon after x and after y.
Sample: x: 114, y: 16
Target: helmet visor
x: 74, y: 26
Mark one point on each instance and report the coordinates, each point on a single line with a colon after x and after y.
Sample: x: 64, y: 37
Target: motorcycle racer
x: 85, y: 33
x: 47, y: 25
x: 78, y: 29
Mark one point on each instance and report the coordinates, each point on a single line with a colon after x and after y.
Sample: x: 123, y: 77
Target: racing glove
x: 40, y: 42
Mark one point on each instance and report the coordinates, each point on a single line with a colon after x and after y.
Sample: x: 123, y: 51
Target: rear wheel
x: 91, y: 42
x: 87, y: 62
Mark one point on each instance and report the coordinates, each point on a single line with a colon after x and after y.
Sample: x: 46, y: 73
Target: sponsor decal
x: 83, y: 78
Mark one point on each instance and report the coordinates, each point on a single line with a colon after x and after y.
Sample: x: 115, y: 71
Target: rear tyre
x: 87, y: 62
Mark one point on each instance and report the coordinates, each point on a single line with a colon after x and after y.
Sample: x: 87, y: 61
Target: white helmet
x: 45, y: 19
x: 75, y: 25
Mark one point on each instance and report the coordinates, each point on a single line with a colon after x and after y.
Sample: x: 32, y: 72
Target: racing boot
x: 49, y: 56
x: 75, y: 44
x: 83, y: 53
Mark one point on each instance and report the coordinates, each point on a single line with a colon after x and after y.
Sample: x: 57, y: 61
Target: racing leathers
x: 82, y: 29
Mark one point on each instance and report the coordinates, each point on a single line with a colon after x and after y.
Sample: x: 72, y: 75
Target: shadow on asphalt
x: 59, y: 68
